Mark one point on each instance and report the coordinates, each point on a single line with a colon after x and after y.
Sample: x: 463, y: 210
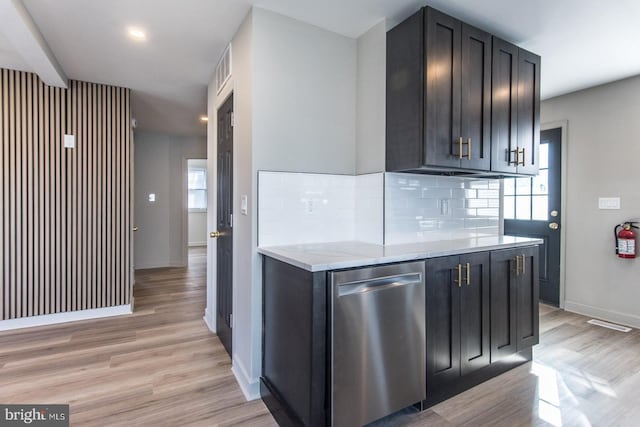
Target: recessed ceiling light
x: 136, y: 34
x: 204, y: 118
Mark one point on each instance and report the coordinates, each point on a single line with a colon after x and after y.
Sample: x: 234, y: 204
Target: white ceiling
x: 582, y: 42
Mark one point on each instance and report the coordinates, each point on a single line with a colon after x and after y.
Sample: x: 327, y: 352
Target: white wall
x: 602, y: 160
x: 160, y: 168
x: 371, y: 98
x: 304, y: 97
x: 294, y: 88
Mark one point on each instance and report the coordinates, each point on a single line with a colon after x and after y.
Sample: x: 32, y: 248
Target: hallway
x: 159, y: 366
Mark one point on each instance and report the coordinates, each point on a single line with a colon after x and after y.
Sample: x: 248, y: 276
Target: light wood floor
x: 161, y: 366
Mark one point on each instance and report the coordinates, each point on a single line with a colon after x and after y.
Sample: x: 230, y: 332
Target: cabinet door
x: 475, y: 330
x: 442, y: 98
x: 443, y: 322
x: 528, y: 110
x: 475, y: 113
x: 527, y: 298
x: 503, y: 304
x: 504, y: 114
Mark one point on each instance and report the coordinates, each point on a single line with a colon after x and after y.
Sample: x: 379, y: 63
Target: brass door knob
x: 554, y: 226
x: 214, y: 234
x: 135, y: 228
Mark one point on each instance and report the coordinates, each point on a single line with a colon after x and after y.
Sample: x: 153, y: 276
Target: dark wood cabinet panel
x: 475, y: 105
x: 503, y: 303
x: 528, y: 110
x: 515, y: 117
x: 443, y: 322
x: 514, y: 301
x: 504, y: 106
x: 475, y: 352
x: 527, y: 295
x: 458, y: 319
x: 405, y: 94
x: 439, y: 68
x: 442, y: 99
x: 293, y: 382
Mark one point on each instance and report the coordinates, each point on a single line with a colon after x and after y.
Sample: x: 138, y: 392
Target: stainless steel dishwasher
x: 377, y: 341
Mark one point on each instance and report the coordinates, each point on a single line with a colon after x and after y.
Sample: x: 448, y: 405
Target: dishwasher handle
x: 378, y: 284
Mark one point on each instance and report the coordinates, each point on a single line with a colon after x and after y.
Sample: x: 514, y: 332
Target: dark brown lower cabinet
x: 481, y: 321
x: 514, y: 301
x: 457, y: 289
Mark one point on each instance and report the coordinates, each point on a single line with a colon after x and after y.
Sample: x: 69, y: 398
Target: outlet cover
x: 69, y: 141
x: 609, y: 203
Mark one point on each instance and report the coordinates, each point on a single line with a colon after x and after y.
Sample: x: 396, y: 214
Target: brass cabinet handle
x: 517, y: 265
x: 517, y: 153
x: 523, y: 158
x: 468, y: 274
x: 460, y: 148
x: 523, y: 263
x: 214, y: 234
x: 469, y: 149
x: 135, y: 228
x: 459, y: 281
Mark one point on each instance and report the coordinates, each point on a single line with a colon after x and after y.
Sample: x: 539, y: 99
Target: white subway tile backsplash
x: 464, y: 208
x: 297, y: 208
x: 391, y: 208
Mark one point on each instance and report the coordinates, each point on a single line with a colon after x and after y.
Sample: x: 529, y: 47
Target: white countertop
x: 337, y: 255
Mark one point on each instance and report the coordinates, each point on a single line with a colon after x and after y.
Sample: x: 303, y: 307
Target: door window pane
x: 541, y: 183
x: 523, y: 207
x: 544, y: 156
x: 509, y: 207
x: 540, y: 208
x: 509, y: 186
x: 523, y: 186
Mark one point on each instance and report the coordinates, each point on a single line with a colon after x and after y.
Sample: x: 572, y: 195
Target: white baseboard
x: 209, y: 320
x: 610, y: 316
x: 70, y: 316
x: 250, y: 387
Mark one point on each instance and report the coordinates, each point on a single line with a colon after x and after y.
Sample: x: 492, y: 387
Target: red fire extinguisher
x: 625, y: 239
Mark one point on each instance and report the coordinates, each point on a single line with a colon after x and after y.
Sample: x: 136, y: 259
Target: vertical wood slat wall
x: 64, y: 213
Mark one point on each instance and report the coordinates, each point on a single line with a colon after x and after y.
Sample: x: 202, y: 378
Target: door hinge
x: 231, y: 321
x: 233, y: 119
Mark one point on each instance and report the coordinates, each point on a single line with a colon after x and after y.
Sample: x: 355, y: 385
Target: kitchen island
x: 479, y: 318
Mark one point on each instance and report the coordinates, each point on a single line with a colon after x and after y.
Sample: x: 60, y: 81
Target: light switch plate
x: 69, y: 141
x: 244, y: 204
x: 609, y: 203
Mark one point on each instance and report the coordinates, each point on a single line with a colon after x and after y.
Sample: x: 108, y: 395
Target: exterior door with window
x: 532, y: 209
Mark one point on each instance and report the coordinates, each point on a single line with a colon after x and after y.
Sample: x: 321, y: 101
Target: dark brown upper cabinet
x: 515, y: 121
x: 439, y: 100
x: 438, y: 94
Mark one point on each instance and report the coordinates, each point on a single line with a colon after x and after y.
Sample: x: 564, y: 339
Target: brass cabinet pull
x: 460, y: 148
x: 468, y: 274
x: 517, y: 153
x: 469, y: 149
x: 459, y: 281
x: 523, y: 263
x: 517, y: 265
x: 523, y: 158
